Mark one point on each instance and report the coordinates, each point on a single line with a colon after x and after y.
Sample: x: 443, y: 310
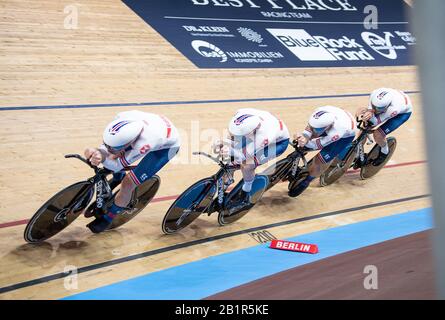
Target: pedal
x: 358, y: 164
x: 361, y: 161
x: 214, y: 207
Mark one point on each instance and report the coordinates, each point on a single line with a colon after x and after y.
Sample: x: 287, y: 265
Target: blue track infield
x: 166, y: 103
x: 200, y: 279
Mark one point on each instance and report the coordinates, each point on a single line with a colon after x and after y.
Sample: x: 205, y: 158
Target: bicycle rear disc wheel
x: 189, y: 206
x: 258, y: 188
x: 59, y: 212
x: 334, y: 172
x: 142, y: 197
x: 370, y: 170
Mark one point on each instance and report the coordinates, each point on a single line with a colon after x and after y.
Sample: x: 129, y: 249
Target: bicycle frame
x: 291, y: 167
x: 99, y: 180
x: 357, y: 143
x: 223, y: 178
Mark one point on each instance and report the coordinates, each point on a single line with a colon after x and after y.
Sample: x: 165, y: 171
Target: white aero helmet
x: 380, y: 99
x: 243, y: 124
x: 120, y: 133
x: 321, y: 120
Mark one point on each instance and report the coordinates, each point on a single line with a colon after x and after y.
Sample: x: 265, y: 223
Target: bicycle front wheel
x: 59, y: 212
x: 369, y: 170
x: 189, y: 206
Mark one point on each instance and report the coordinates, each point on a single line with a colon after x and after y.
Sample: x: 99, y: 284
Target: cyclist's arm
x: 113, y: 164
x: 103, y: 150
x: 237, y: 155
x: 392, y: 112
x: 110, y: 162
x: 320, y: 143
x: 119, y: 163
x: 307, y: 133
x: 360, y: 111
x: 240, y: 155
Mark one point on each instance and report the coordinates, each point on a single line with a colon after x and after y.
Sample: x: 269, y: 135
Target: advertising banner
x: 283, y: 33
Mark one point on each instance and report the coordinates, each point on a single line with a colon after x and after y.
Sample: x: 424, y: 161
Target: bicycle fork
x: 295, y: 169
x: 222, y: 184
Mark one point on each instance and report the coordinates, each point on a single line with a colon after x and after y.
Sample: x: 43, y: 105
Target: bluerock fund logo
x: 319, y: 48
x: 250, y: 35
x: 382, y: 46
x: 209, y: 50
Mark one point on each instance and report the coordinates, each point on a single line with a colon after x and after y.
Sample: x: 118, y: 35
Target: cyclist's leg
x: 388, y: 127
x: 149, y: 166
x: 270, y: 152
x: 117, y: 179
x: 337, y: 149
x: 321, y: 162
x: 342, y: 154
x: 260, y: 157
x: 385, y: 129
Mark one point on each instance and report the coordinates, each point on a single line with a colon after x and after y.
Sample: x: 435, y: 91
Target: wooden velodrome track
x: 114, y: 57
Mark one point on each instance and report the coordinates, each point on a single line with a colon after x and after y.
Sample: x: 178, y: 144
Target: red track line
x: 167, y: 198
x: 403, y: 164
x: 13, y: 223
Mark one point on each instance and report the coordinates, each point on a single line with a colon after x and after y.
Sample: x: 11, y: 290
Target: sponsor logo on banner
x: 407, y: 37
x: 289, y: 9
x: 209, y: 50
x: 255, y: 56
x: 322, y: 5
x: 286, y: 15
x: 319, y: 48
x: 250, y: 35
x: 382, y: 46
x: 208, y: 31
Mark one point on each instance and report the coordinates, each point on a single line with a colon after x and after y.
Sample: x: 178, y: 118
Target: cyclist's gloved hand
x: 367, y: 115
x: 300, y: 139
x: 94, y: 155
x: 100, y: 224
x: 216, y: 146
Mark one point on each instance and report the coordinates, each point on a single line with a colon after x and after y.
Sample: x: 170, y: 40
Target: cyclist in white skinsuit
x: 388, y: 109
x: 331, y: 130
x: 256, y: 137
x: 131, y: 136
